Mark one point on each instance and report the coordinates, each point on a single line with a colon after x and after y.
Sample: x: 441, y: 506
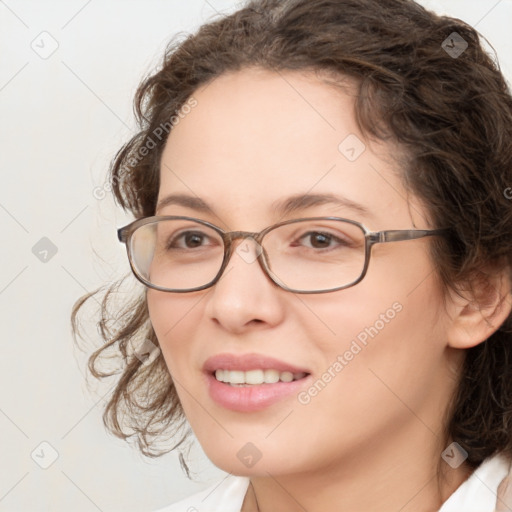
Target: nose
x: 245, y: 295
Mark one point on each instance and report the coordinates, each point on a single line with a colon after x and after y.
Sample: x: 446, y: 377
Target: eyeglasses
x: 310, y: 255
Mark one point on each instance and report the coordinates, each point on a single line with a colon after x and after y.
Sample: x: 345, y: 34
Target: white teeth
x: 254, y: 377
x: 271, y: 376
x: 236, y: 377
x: 286, y: 376
x: 251, y: 377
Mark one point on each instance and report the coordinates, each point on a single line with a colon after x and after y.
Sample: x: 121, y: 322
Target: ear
x: 479, y: 310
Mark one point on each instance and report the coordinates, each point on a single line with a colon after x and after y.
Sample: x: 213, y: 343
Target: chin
x: 248, y: 460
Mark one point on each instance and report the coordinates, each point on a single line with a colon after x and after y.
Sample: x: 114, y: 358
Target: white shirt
x: 479, y: 493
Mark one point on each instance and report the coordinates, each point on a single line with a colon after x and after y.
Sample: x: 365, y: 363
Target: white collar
x: 479, y: 492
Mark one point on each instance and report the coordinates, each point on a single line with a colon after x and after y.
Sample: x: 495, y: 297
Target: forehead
x: 263, y: 116
x: 256, y: 136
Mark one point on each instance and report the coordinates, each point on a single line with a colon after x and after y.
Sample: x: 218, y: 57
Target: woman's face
x: 376, y: 357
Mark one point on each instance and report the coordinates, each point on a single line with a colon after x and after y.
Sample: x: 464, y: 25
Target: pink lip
x: 250, y: 398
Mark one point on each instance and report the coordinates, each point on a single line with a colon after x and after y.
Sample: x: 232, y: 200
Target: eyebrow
x: 282, y: 207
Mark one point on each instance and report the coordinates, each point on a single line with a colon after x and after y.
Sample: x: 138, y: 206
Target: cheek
x: 174, y: 319
x: 382, y: 338
x: 374, y: 309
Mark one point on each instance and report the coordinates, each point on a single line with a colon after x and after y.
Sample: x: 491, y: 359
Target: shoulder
x: 226, y: 495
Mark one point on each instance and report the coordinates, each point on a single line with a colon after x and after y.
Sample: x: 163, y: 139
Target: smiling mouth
x: 255, y: 377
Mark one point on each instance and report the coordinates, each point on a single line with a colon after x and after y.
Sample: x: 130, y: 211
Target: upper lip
x: 246, y: 362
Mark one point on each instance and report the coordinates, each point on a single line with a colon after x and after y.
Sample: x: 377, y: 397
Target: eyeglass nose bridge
x: 260, y: 254
x: 242, y: 250
x: 246, y: 255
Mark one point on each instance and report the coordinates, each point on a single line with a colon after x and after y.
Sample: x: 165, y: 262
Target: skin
x: 372, y: 439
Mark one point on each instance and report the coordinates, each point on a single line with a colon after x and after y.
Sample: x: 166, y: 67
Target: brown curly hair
x: 452, y: 115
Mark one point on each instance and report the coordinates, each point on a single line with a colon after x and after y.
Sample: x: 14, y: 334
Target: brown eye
x: 187, y: 240
x: 321, y: 240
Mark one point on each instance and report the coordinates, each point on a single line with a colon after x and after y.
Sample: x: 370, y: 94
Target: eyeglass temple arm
x: 397, y: 235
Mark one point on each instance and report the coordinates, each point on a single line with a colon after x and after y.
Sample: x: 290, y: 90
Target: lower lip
x: 251, y: 398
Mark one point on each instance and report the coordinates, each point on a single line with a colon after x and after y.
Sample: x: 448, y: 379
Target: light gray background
x: 63, y: 117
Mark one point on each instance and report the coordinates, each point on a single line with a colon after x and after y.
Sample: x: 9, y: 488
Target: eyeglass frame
x: 372, y: 238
